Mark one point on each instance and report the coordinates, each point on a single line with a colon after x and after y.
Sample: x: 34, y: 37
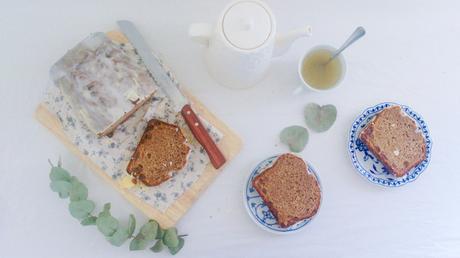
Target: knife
x: 165, y: 82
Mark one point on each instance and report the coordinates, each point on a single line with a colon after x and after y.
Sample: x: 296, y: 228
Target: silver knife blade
x: 153, y: 65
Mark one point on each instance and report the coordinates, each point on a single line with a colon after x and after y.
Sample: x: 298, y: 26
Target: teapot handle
x: 200, y: 32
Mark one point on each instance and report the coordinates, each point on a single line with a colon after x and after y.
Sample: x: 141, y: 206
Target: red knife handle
x: 202, y: 136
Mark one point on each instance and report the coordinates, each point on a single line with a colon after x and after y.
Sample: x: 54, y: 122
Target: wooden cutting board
x: 230, y: 145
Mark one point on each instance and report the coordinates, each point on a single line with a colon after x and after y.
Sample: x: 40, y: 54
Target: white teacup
x: 340, y: 58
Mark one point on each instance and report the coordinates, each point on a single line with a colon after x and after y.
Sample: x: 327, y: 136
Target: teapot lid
x: 247, y: 24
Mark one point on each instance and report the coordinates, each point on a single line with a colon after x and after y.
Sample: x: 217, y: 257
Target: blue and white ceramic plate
x: 367, y: 164
x: 258, y: 210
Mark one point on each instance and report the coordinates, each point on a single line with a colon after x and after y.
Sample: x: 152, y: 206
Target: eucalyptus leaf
x: 90, y: 220
x: 138, y: 243
x: 106, y: 208
x: 61, y: 187
x: 106, y: 223
x: 160, y: 233
x: 119, y: 237
x: 157, y: 247
x: 81, y: 209
x: 296, y: 137
x: 170, y: 238
x: 131, y: 225
x: 149, y: 230
x: 320, y: 118
x: 175, y: 250
x: 73, y: 179
x: 59, y: 174
x: 78, y: 191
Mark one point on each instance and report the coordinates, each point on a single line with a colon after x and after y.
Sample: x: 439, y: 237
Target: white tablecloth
x: 410, y: 55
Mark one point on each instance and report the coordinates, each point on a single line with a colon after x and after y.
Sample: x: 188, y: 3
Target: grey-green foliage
x: 160, y: 233
x: 138, y: 243
x: 149, y: 230
x: 131, y: 225
x: 119, y: 237
x: 170, y: 238
x: 176, y: 249
x: 122, y: 234
x: 90, y: 220
x: 78, y: 191
x: 320, y: 118
x: 58, y: 174
x: 61, y: 187
x: 147, y: 234
x: 296, y: 137
x: 105, y: 222
x: 81, y: 208
x: 158, y: 247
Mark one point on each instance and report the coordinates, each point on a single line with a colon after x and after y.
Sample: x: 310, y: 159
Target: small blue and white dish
x: 258, y: 210
x: 368, y: 165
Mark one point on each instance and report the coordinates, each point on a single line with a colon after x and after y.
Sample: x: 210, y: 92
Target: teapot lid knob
x: 247, y: 24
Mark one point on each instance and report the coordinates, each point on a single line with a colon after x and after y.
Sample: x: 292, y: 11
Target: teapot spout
x: 200, y: 32
x: 284, y: 42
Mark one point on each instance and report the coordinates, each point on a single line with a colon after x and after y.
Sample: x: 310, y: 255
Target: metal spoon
x: 357, y: 34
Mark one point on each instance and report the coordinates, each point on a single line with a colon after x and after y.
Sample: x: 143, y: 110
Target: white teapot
x: 241, y: 45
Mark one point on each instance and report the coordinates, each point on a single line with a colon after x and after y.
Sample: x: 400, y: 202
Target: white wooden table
x: 410, y: 55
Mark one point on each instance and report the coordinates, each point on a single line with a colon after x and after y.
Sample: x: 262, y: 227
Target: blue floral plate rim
x: 250, y: 196
x: 385, y: 178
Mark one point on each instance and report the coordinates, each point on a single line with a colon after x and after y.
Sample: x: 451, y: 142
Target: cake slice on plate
x: 393, y: 137
x: 290, y: 191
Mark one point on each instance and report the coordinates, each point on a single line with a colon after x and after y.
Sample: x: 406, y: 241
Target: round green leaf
x: 90, y: 220
x: 296, y: 137
x: 170, y: 238
x: 59, y: 174
x: 61, y: 187
x: 320, y: 118
x: 120, y: 236
x: 81, y: 209
x: 149, y: 230
x: 157, y: 247
x: 138, y: 243
x: 131, y: 225
x: 175, y: 250
x: 106, y: 224
x: 78, y: 191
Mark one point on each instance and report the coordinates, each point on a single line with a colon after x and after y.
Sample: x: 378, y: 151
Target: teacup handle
x: 298, y: 90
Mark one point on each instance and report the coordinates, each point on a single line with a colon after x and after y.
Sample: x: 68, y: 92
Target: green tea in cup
x: 318, y: 71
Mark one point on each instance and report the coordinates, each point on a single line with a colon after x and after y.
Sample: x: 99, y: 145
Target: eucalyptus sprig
x: 81, y: 208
